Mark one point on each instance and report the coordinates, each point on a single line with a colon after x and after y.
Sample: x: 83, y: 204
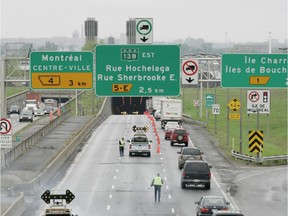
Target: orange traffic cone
x: 158, y: 148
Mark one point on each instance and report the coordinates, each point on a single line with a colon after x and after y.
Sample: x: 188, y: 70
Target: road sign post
x: 137, y: 70
x: 210, y: 100
x: 254, y: 70
x: 61, y: 70
x: 144, y: 30
x: 190, y: 72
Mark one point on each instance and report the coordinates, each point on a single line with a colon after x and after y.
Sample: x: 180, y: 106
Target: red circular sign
x: 5, y: 126
x: 254, y: 96
x: 190, y: 68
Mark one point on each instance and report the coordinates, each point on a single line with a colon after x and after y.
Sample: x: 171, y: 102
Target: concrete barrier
x: 17, y: 208
x: 42, y: 179
x: 21, y: 148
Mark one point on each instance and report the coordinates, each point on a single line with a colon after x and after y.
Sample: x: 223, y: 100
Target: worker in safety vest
x: 121, y: 146
x: 157, y: 182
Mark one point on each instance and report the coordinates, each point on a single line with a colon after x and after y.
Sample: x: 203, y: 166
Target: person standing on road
x: 121, y: 146
x: 157, y: 182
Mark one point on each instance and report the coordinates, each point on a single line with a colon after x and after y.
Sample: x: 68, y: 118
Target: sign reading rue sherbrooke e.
x: 137, y: 70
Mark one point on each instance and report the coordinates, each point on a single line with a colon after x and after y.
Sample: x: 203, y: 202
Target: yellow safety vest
x: 121, y: 143
x: 157, y: 181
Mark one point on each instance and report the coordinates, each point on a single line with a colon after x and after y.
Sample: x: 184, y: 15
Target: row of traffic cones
x: 155, y: 130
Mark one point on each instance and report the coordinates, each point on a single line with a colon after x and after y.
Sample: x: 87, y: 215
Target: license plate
x: 196, y: 180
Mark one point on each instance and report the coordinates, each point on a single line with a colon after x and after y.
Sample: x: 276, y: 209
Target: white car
x: 171, y: 126
x: 39, y: 112
x: 157, y: 114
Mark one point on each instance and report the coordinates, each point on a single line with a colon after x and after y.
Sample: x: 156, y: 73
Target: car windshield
x: 182, y: 132
x: 26, y: 112
x: 198, y: 167
x: 191, y: 151
x: 214, y: 201
x: 140, y: 139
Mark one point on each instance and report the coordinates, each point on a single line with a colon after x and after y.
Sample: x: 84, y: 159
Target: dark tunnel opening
x: 129, y: 105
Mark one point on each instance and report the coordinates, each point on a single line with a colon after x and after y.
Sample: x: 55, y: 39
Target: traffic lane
x: 113, y: 185
x: 263, y: 192
x: 228, y: 173
x: 16, y: 125
x: 185, y: 198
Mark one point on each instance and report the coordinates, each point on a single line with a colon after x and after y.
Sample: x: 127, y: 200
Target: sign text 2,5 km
x: 137, y: 70
x: 61, y: 70
x: 254, y: 70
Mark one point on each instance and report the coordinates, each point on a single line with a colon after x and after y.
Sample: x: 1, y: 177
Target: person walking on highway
x: 157, y: 182
x: 121, y: 146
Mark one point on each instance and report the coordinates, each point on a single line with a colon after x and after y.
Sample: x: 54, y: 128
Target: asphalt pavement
x: 34, y: 161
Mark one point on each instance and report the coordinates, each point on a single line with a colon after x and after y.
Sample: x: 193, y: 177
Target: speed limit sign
x: 215, y: 109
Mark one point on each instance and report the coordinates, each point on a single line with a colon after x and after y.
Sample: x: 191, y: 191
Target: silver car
x: 26, y: 115
x: 188, y: 153
x: 139, y: 144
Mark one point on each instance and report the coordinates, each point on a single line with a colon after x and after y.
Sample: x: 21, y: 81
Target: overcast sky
x: 212, y: 20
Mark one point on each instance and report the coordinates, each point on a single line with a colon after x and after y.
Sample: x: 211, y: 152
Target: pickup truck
x: 139, y: 144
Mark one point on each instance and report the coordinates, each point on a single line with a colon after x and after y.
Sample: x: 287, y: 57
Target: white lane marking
x: 172, y: 210
x: 226, y: 195
x: 243, y: 178
x: 110, y: 196
x: 115, y: 177
x: 165, y: 178
x: 163, y: 170
x: 167, y: 187
x: 169, y: 196
x: 113, y: 186
x: 117, y: 170
x: 108, y: 207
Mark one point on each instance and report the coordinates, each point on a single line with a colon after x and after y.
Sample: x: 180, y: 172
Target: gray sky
x: 212, y: 20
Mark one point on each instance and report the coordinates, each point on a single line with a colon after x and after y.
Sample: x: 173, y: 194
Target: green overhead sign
x: 137, y: 70
x: 254, y: 70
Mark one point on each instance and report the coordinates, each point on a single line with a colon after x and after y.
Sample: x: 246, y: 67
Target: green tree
x: 90, y: 45
x: 48, y: 46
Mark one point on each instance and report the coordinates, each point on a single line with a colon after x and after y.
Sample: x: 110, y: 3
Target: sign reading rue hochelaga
x: 137, y: 70
x: 254, y: 70
x: 61, y: 70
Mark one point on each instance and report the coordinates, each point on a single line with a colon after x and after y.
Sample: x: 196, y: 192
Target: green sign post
x: 254, y: 70
x: 210, y: 100
x: 137, y: 70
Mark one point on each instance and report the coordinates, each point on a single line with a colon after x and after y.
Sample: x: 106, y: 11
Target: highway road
x: 106, y: 184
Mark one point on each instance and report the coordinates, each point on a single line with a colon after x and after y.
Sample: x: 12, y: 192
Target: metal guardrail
x: 237, y: 155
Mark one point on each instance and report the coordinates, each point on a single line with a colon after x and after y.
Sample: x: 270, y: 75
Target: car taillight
x: 130, y: 146
x: 149, y: 146
x: 204, y: 210
x: 225, y: 209
x: 183, y: 174
x: 201, y: 158
x: 209, y: 174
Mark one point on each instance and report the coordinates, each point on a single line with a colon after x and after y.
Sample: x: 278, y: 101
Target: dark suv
x: 196, y: 172
x: 179, y: 135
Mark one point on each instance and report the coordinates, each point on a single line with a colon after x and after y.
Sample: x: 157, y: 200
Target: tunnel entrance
x: 129, y: 105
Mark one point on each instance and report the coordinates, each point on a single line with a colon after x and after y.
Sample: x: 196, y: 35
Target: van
x: 196, y: 173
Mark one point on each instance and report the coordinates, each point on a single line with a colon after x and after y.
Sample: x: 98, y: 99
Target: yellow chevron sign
x: 256, y: 141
